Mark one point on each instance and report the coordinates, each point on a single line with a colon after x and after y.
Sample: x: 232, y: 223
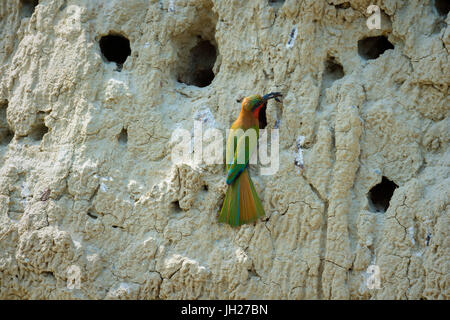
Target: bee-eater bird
x: 242, y: 204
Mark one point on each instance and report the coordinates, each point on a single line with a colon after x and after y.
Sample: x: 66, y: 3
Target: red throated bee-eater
x: 242, y: 204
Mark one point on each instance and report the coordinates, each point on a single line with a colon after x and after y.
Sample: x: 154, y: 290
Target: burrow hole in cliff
x: 333, y: 71
x: 6, y: 134
x: 276, y: 3
x: 442, y: 7
x: 262, y: 117
x: 123, y: 137
x: 115, y: 48
x: 197, y: 50
x: 175, y: 207
x: 27, y: 7
x: 199, y: 71
x: 381, y: 194
x: 39, y: 129
x: 372, y: 47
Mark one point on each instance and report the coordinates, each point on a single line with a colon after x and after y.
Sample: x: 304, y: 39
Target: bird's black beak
x: 272, y: 95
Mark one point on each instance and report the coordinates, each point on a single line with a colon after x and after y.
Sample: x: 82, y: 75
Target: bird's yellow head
x: 255, y: 102
x: 252, y: 102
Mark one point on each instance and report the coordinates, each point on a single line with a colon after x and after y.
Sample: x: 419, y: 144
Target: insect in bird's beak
x: 272, y: 95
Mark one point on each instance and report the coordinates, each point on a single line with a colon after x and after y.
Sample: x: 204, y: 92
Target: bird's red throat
x: 256, y: 111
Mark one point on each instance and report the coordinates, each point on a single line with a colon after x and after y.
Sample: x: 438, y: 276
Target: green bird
x: 242, y: 204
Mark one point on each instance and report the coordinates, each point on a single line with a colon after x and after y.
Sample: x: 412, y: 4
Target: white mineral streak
x: 299, y: 153
x: 292, y: 37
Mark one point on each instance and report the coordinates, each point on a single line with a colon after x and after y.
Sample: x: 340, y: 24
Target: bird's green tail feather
x: 242, y: 204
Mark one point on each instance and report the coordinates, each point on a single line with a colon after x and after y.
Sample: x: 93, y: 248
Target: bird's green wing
x: 243, y: 143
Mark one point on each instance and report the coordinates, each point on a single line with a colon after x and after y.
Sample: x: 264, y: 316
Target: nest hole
x: 381, y: 194
x: 27, y: 7
x: 442, y: 7
x: 5, y: 137
x: 38, y: 132
x: 333, y: 71
x: 123, y: 137
x: 175, y: 207
x: 6, y: 134
x: 115, y: 48
x: 262, y: 117
x: 372, y: 47
x: 276, y: 3
x: 202, y: 58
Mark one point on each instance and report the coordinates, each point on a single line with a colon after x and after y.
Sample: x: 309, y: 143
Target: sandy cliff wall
x: 91, y: 205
